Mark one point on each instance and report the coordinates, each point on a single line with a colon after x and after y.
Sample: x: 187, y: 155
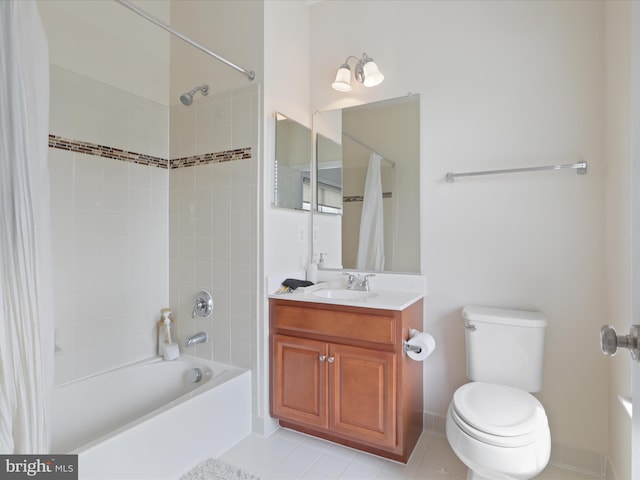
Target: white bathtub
x: 148, y: 420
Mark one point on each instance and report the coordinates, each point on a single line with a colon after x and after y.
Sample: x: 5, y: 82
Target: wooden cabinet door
x: 299, y: 383
x: 363, y: 394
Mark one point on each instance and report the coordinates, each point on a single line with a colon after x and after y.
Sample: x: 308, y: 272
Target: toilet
x: 494, y: 425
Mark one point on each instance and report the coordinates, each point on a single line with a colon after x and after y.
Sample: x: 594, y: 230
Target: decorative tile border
x: 142, y: 159
x: 360, y: 198
x: 104, y: 151
x: 217, y: 157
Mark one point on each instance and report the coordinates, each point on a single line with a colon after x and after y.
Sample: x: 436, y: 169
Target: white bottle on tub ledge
x: 161, y: 331
x: 164, y: 331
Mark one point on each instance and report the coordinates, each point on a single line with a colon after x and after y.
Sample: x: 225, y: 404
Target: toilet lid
x: 486, y: 411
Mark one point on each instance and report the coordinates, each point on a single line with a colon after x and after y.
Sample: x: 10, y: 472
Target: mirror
x: 292, y: 171
x: 367, y: 161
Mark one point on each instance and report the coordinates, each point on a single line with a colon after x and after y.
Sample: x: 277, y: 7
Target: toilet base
x: 487, y: 462
x: 471, y: 475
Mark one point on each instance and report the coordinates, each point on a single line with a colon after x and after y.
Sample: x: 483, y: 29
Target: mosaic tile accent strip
x: 107, y: 152
x: 360, y: 198
x: 140, y: 158
x: 217, y: 157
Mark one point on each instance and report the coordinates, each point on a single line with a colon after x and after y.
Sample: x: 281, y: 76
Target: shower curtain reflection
x: 371, y: 241
x: 26, y: 303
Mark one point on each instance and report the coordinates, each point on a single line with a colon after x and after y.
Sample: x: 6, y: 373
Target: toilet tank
x: 505, y: 346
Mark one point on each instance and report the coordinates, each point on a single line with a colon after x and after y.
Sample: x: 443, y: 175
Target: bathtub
x: 149, y: 420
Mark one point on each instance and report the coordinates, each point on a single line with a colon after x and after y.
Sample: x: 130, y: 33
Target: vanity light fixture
x: 366, y: 72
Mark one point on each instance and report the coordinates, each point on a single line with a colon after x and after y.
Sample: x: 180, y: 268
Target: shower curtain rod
x: 126, y: 3
x: 393, y: 164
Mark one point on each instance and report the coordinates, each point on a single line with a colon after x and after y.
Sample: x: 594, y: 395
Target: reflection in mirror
x: 292, y: 179
x: 375, y: 150
x: 329, y: 182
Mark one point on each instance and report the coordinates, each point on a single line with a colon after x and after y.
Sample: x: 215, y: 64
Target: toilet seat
x: 496, y: 414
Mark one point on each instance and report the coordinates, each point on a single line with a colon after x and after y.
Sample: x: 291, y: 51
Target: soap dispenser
x: 162, y: 330
x: 167, y: 347
x: 312, y: 270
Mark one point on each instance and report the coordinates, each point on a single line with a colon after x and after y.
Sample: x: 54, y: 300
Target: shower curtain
x: 26, y: 300
x: 371, y: 241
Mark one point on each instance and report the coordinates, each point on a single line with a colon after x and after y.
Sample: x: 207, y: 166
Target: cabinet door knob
x: 323, y: 358
x: 331, y: 359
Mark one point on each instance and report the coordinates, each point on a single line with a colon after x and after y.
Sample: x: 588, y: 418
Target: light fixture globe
x: 372, y: 76
x: 342, y: 83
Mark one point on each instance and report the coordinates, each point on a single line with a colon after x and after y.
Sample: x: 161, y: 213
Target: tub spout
x: 200, y: 337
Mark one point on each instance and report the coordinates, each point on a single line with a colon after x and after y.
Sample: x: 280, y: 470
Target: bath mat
x: 213, y: 469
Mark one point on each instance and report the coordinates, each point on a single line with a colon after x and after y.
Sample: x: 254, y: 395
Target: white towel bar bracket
x: 580, y: 168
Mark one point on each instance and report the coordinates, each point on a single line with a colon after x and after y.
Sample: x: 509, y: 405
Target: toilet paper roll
x: 425, y: 342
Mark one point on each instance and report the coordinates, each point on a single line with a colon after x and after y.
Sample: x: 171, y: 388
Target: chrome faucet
x: 200, y: 337
x: 354, y: 282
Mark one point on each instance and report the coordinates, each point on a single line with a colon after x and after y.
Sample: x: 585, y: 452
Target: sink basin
x: 344, y: 294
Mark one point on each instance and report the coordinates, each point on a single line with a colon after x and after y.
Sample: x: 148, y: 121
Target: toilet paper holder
x: 406, y: 347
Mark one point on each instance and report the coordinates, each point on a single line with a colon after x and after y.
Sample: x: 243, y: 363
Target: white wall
x: 618, y: 225
x: 231, y: 29
x: 108, y: 43
x: 286, y: 90
x: 502, y: 84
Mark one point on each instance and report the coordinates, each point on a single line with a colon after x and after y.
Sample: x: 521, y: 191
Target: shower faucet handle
x: 203, y: 305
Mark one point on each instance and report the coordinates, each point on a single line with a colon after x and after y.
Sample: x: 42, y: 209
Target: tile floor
x: 289, y: 455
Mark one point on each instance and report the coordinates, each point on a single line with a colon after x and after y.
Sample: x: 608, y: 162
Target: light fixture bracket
x: 358, y: 72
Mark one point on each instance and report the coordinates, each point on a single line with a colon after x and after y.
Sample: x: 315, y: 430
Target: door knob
x: 610, y: 341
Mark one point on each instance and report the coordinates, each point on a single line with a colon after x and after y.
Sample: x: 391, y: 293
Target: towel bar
x: 580, y: 167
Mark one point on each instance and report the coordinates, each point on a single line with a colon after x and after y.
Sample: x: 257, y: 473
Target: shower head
x: 187, y: 98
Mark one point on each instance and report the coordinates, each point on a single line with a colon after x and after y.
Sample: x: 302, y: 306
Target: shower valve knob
x: 203, y: 304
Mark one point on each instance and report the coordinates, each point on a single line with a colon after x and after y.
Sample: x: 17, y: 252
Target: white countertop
x: 383, y: 299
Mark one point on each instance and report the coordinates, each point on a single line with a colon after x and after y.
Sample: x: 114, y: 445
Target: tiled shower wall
x: 213, y: 222
x: 111, y: 224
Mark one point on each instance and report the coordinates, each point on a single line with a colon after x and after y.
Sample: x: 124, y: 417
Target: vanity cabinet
x: 339, y: 372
